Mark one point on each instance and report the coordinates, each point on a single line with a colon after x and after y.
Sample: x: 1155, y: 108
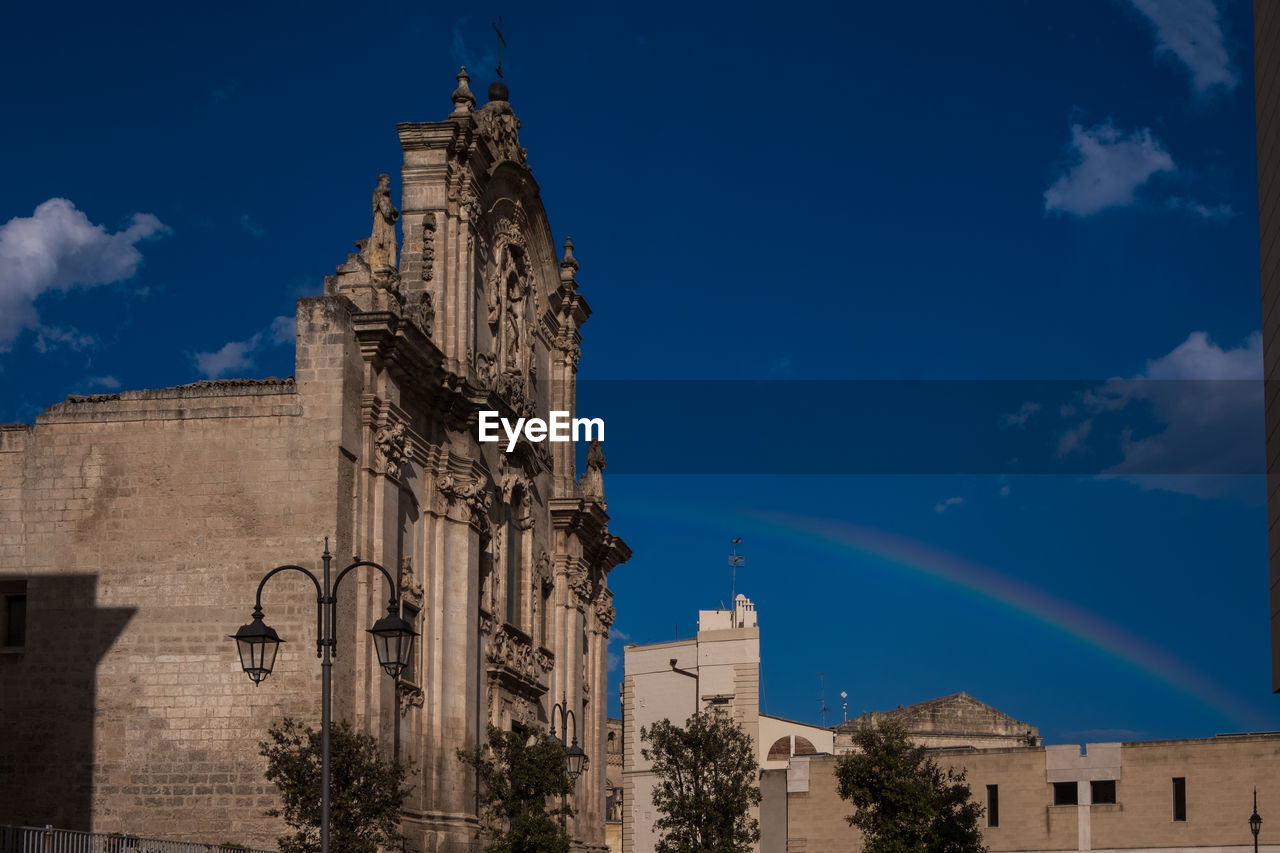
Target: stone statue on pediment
x: 592, y: 481
x: 380, y: 250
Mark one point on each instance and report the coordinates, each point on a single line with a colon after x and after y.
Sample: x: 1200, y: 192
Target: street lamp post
x: 259, y: 642
x: 1255, y: 822
x: 574, y: 757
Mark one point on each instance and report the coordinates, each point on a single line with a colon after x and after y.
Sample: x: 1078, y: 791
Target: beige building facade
x: 1168, y: 796
x: 135, y: 527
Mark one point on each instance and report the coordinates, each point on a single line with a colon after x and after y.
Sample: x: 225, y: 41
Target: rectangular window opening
x: 1065, y: 794
x: 993, y: 805
x: 13, y: 614
x: 1179, y: 798
x: 1103, y: 792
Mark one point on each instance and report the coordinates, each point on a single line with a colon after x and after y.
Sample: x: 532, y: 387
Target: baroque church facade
x: 135, y: 527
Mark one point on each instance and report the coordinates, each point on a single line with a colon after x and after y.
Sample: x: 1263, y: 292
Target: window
x: 993, y: 805
x: 1103, y: 792
x: 1065, y: 794
x: 1179, y: 798
x: 514, y: 584
x: 13, y: 618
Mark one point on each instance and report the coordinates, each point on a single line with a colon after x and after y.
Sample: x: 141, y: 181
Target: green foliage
x: 518, y: 772
x: 367, y: 791
x: 707, y: 774
x: 904, y: 800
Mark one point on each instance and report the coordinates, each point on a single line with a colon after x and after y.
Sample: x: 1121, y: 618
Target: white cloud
x: 238, y: 355
x: 1200, y: 358
x: 247, y: 223
x: 947, y: 504
x: 1214, y: 213
x: 58, y: 249
x: 108, y: 382
x: 1209, y: 401
x: 1189, y: 30
x: 1020, y: 417
x: 1073, y: 439
x: 1109, y: 166
x: 617, y: 638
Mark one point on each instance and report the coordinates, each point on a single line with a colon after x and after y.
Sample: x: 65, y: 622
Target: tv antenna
x: 822, y: 699
x: 736, y: 562
x: 502, y: 42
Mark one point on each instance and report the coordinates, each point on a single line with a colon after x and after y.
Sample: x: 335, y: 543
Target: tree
x: 518, y: 772
x: 367, y: 791
x: 904, y: 800
x: 707, y: 773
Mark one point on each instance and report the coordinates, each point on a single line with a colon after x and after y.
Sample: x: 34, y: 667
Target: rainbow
x: 844, y: 540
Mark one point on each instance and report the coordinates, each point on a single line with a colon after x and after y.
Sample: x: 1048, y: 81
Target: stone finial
x: 568, y: 266
x: 498, y: 91
x: 463, y: 100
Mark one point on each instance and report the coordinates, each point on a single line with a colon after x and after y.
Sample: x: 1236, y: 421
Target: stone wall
x: 142, y: 523
x: 1220, y: 775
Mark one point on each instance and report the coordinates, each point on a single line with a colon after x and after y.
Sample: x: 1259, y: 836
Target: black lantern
x: 574, y: 760
x: 393, y: 639
x: 1255, y: 821
x: 258, y: 643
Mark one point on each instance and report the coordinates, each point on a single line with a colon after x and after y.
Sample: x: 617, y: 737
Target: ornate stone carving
x: 393, y: 448
x: 410, y: 696
x: 463, y: 100
x: 605, y: 616
x: 423, y: 313
x: 469, y: 493
x: 517, y: 490
x: 428, y: 245
x: 592, y: 480
x: 516, y: 653
x: 380, y: 250
x: 580, y: 583
x: 410, y: 589
x: 542, y: 570
x: 499, y: 125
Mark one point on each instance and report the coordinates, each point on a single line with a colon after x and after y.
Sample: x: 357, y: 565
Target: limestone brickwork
x: 140, y: 523
x: 1220, y: 774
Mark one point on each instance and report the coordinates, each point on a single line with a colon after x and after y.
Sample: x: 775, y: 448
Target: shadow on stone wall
x: 47, y: 701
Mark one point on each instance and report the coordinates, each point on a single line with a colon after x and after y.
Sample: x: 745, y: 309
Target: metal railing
x: 32, y: 839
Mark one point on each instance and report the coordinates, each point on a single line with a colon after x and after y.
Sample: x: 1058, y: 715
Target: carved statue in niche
x: 511, y: 340
x: 592, y: 480
x: 424, y: 313
x: 410, y: 588
x: 380, y: 251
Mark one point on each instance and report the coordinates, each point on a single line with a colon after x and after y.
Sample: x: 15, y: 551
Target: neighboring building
x: 1266, y: 81
x: 955, y: 720
x: 135, y: 527
x: 1173, y: 796
x: 613, y: 786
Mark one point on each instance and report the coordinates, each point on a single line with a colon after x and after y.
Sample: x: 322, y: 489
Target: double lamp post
x: 393, y: 637
x: 258, y: 643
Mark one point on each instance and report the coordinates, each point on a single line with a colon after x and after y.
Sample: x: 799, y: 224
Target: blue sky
x: 1024, y: 191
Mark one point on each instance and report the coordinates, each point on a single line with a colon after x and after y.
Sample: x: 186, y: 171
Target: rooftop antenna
x: 844, y: 705
x: 497, y: 28
x: 736, y: 561
x: 822, y: 699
